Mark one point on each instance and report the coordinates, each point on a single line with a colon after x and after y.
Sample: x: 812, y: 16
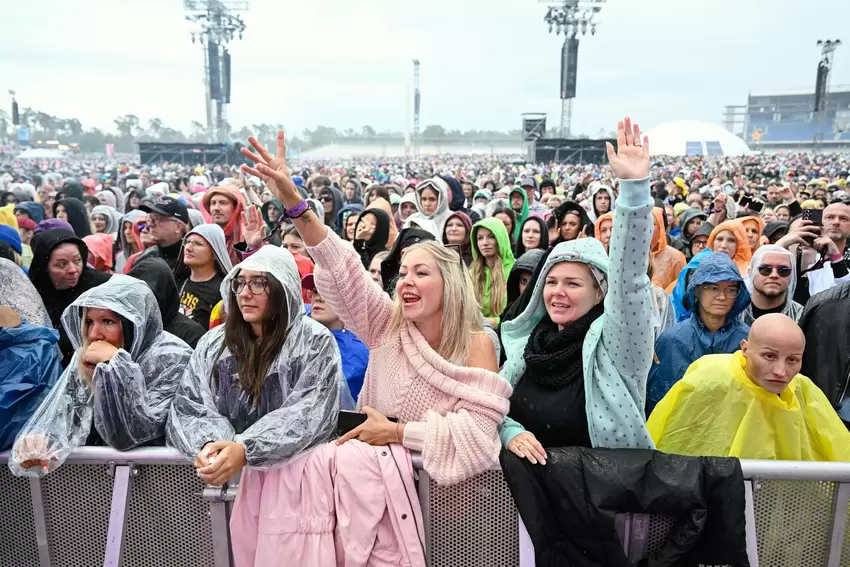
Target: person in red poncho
x: 224, y: 206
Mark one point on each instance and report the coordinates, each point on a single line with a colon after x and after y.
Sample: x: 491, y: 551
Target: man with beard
x: 770, y: 280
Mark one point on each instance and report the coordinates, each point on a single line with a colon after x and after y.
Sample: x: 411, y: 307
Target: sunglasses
x: 766, y: 270
x: 141, y: 226
x: 326, y: 199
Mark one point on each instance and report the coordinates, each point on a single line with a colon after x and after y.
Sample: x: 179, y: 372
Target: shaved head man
x: 753, y: 404
x: 773, y: 351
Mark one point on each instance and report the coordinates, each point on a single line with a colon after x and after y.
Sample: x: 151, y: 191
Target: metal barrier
x: 147, y: 507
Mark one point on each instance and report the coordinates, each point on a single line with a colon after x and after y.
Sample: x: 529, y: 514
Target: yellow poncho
x: 716, y: 410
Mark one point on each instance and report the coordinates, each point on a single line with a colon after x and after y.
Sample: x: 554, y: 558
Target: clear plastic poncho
x: 131, y: 393
x: 301, y: 395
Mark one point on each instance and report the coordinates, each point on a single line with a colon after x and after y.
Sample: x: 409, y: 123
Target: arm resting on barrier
x: 130, y: 409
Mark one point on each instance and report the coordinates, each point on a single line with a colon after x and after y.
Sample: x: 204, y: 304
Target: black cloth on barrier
x: 569, y: 504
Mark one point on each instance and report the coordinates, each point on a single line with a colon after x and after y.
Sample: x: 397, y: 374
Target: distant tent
x: 694, y: 138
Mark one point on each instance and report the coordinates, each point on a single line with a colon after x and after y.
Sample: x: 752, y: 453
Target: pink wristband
x: 836, y: 258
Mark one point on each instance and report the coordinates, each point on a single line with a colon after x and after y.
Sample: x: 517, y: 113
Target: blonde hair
x: 498, y: 281
x: 461, y: 313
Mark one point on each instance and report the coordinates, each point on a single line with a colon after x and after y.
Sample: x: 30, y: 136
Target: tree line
x: 129, y: 129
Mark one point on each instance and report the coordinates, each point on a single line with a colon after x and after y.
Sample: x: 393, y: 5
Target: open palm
x: 272, y: 169
x: 631, y: 160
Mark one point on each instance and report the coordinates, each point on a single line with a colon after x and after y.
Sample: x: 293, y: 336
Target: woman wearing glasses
x: 431, y: 365
x: 261, y: 391
x: 717, y: 295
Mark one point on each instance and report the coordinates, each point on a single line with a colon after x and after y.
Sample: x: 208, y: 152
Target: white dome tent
x: 694, y: 138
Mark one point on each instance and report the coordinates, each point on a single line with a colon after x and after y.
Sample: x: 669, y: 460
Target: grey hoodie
x: 214, y: 235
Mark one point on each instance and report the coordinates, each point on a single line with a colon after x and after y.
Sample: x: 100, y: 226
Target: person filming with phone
x: 818, y: 239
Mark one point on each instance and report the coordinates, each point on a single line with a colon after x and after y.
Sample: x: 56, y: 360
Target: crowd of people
x: 474, y: 310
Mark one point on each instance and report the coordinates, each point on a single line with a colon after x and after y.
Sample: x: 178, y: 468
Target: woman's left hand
x: 631, y: 160
x: 99, y: 351
x: 376, y: 430
x: 226, y: 458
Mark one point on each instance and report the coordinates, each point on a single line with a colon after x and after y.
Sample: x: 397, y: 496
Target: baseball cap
x: 308, y: 283
x: 170, y: 207
x: 528, y: 182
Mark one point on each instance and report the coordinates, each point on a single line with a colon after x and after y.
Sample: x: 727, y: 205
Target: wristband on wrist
x: 297, y: 210
x: 836, y: 258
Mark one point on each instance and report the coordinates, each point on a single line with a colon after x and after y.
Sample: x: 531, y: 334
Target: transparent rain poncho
x: 131, y: 393
x: 301, y: 394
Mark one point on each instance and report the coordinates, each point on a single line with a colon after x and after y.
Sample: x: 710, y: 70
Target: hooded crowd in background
x: 122, y: 303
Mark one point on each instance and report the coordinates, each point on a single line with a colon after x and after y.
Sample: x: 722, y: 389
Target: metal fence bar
x: 220, y: 534
x: 121, y: 492
x: 526, y: 546
x: 839, y: 524
x: 424, y: 489
x: 750, y: 515
x: 37, y: 499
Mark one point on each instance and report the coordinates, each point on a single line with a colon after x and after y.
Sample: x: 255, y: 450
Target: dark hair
x: 382, y: 192
x: 253, y: 356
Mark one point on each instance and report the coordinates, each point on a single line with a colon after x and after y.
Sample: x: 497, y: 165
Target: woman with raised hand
x: 431, y: 365
x: 579, y: 354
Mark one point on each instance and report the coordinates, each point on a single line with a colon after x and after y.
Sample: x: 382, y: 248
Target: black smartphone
x: 756, y: 206
x: 745, y: 200
x: 795, y: 209
x: 813, y: 215
x: 348, y: 420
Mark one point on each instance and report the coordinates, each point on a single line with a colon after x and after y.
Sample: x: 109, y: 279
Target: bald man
x: 752, y: 404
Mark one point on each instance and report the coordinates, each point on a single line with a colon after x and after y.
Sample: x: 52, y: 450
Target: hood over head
x: 345, y: 212
x: 595, y: 188
x: 544, y: 234
x: 127, y: 297
x: 659, y: 235
x: 523, y: 214
x: 132, y: 217
x: 35, y: 211
x: 503, y: 241
x: 757, y: 222
x: 279, y: 264
x: 378, y: 241
x: 486, y: 193
x: 572, y: 207
x: 265, y: 211
x: 109, y: 197
x: 714, y: 268
x: 525, y: 263
x: 159, y: 277
x: 382, y: 204
x: 72, y: 189
x: 112, y: 218
x: 772, y: 228
x: 757, y: 261
x: 43, y: 244
x: 214, y: 236
x: 463, y: 218
x: 100, y: 251
x: 744, y: 253
x: 687, y: 217
x: 391, y: 264
x: 18, y: 293
x: 339, y: 202
x: 12, y: 237
x: 443, y: 191
x: 457, y: 198
x: 234, y: 225
x: 78, y: 216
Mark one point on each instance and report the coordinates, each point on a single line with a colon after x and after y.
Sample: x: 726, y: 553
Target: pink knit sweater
x: 451, y: 412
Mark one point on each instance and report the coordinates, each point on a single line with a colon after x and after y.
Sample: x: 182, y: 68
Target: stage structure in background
x: 218, y: 25
x: 571, y: 17
x: 828, y: 48
x: 417, y: 99
x: 533, y: 129
x: 187, y: 154
x: 579, y: 151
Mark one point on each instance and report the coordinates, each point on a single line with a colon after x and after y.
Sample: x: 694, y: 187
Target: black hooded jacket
x: 339, y: 202
x: 73, y: 189
x: 156, y: 273
x: 544, y: 236
x: 56, y: 300
x: 573, y: 207
x: 378, y: 241
x: 570, y: 506
x: 458, y: 199
x: 78, y: 216
x: 392, y: 263
x: 172, y: 256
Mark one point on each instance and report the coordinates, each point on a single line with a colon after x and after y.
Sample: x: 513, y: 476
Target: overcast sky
x: 346, y: 63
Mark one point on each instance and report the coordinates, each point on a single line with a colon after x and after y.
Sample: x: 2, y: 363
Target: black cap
x: 170, y: 207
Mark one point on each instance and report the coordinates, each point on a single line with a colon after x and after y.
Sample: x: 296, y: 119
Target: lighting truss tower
x: 417, y: 98
x: 217, y: 25
x: 828, y: 48
x: 570, y: 17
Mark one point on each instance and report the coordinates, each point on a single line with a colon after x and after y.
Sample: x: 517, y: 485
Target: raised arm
x: 131, y: 400
x: 344, y: 284
x: 627, y: 332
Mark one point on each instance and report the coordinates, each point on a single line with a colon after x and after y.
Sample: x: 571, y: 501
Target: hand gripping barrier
x: 147, y: 507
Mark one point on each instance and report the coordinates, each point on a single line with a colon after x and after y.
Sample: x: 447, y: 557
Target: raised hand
x: 253, y: 227
x: 631, y: 160
x: 272, y: 170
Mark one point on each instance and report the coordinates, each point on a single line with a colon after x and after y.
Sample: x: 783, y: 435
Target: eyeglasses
x: 767, y: 269
x: 141, y: 227
x: 256, y: 287
x: 717, y: 291
x: 698, y: 243
x: 193, y: 243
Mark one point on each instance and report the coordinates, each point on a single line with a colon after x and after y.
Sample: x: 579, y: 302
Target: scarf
x: 553, y: 357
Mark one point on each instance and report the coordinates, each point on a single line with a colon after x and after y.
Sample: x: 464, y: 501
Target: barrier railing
x: 148, y: 507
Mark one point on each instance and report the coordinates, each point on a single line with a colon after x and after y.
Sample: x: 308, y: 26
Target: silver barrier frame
x: 126, y: 464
